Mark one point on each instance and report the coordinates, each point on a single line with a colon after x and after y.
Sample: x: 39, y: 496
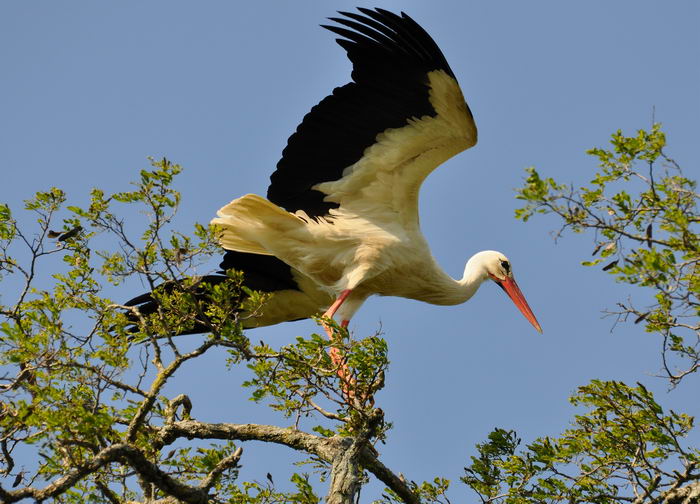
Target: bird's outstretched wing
x: 366, y: 148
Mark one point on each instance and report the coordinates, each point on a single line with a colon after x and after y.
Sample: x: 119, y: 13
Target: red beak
x: 508, y: 284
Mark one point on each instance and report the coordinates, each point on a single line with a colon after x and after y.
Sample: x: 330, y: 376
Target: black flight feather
x: 391, y: 57
x: 260, y: 273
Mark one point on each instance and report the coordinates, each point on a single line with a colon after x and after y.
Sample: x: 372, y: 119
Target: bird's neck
x: 449, y: 291
x: 474, y: 276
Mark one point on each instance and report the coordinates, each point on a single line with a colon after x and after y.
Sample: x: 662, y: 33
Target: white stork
x: 342, y: 206
x: 340, y: 222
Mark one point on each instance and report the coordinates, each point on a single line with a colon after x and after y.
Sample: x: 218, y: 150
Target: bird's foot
x: 348, y: 381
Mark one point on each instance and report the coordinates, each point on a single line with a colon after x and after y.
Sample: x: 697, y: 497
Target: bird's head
x: 497, y: 267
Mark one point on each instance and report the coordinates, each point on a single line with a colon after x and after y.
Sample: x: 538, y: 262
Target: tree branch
x: 324, y: 448
x: 158, y: 384
x: 135, y: 458
x: 226, y: 463
x: 689, y: 494
x: 386, y: 476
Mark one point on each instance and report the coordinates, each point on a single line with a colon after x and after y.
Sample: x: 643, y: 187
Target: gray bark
x: 689, y: 494
x: 346, y: 475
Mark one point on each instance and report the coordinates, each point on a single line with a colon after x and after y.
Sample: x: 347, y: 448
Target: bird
x: 340, y: 222
x: 342, y: 205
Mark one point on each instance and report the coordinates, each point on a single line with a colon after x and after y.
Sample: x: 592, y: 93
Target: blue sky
x: 90, y: 89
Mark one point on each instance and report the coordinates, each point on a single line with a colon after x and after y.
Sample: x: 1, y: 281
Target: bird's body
x: 341, y: 212
x: 367, y: 257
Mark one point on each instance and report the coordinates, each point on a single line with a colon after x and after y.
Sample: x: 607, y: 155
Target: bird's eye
x: 505, y: 266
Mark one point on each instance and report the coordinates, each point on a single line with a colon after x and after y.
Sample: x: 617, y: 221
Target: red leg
x: 336, y: 304
x: 334, y: 308
x: 336, y: 357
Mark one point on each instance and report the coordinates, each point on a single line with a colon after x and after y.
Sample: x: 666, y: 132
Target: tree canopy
x: 82, y: 401
x: 642, y: 212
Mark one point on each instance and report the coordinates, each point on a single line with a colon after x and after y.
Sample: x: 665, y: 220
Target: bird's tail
x: 261, y: 273
x: 250, y: 221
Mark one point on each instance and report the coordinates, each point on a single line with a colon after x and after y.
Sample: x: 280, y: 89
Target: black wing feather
x: 260, y: 273
x: 391, y: 57
x: 375, y: 32
x: 405, y: 37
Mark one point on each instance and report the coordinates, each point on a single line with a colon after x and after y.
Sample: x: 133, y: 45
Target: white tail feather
x: 251, y: 216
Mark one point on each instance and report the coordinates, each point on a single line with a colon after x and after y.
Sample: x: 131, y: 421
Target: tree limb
x: 689, y: 494
x: 227, y: 463
x: 386, y: 476
x: 325, y: 448
x: 116, y: 453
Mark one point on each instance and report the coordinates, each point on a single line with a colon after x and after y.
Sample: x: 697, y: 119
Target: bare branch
x: 226, y: 463
x: 181, y: 400
x: 386, y: 476
x: 324, y: 448
x: 158, y: 384
x: 116, y: 453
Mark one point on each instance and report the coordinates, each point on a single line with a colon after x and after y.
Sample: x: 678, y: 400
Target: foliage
x: 625, y: 448
x: 82, y: 377
x: 295, y: 377
x: 644, y: 215
x: 434, y: 492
